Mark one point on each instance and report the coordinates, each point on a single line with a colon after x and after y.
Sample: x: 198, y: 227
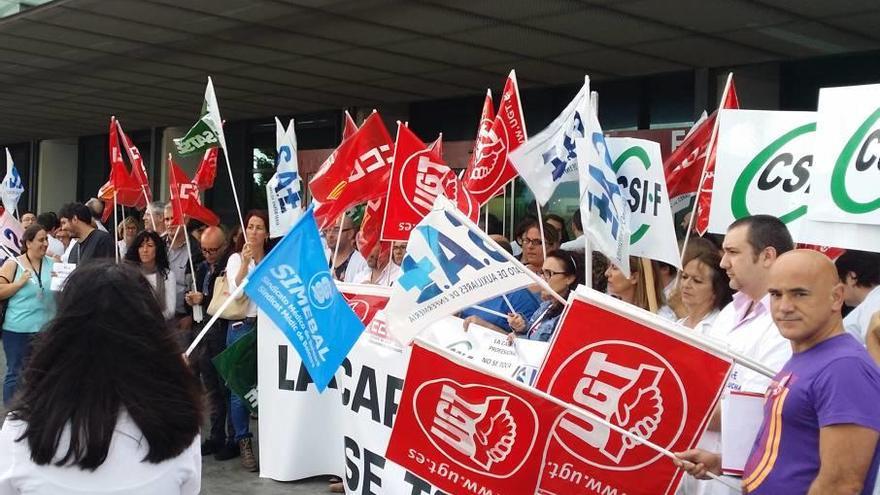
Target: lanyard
x: 39, y: 272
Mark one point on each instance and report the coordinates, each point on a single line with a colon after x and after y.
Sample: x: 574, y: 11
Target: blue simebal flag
x: 294, y: 287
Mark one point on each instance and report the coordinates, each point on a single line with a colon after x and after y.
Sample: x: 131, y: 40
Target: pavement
x: 229, y: 478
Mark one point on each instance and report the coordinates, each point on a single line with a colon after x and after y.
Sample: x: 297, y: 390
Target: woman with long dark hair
x: 148, y: 252
x: 250, y: 249
x: 563, y: 274
x: 25, y: 283
x: 105, y: 372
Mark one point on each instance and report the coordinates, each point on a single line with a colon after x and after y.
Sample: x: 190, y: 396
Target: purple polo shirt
x: 834, y: 382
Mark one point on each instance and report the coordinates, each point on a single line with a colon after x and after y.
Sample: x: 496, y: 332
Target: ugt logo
x: 782, y: 165
x: 481, y: 428
x: 860, y: 162
x: 489, y: 154
x: 430, y: 180
x: 644, y: 195
x: 628, y: 385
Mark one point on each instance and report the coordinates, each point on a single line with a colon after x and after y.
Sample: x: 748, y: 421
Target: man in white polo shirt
x: 751, y: 246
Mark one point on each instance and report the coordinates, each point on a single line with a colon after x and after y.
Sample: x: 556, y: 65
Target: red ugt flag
x: 207, y: 171
x: 185, y: 198
x: 489, y: 169
x: 704, y: 196
x: 120, y: 185
x: 350, y: 127
x: 466, y: 431
x: 635, y: 375
x: 355, y: 173
x: 418, y: 176
x: 138, y: 170
x: 684, y: 166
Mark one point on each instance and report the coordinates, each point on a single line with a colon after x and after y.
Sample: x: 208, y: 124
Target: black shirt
x: 98, y: 244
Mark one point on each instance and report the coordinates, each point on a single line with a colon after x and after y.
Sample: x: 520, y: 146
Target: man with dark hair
x: 76, y: 219
x: 820, y: 428
x: 49, y: 221
x: 577, y: 229
x: 859, y: 271
x: 746, y: 325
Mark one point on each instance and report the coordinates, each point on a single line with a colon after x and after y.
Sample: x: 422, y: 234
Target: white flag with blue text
x: 284, y: 189
x: 604, y: 209
x: 12, y: 188
x: 547, y: 159
x: 450, y: 264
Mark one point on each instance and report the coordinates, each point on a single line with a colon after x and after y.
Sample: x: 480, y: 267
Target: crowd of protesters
x: 100, y: 363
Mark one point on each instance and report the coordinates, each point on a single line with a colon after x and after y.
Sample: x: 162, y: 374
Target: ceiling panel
x: 704, y: 16
x: 607, y: 27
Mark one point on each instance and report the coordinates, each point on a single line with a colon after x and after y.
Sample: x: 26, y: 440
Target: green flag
x: 207, y: 132
x: 238, y: 367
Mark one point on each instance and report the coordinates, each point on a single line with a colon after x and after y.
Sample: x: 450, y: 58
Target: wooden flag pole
x: 648, y: 270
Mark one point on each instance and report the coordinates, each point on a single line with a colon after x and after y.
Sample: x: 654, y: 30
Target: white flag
x: 547, y: 159
x: 639, y: 168
x: 12, y: 188
x: 450, y: 264
x: 604, y: 210
x: 284, y: 189
x: 207, y: 132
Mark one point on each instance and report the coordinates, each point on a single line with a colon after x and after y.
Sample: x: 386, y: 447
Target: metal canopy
x: 66, y: 66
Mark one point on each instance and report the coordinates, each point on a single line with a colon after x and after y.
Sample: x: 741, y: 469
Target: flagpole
x: 233, y: 296
x: 541, y: 229
x: 232, y: 186
x: 571, y: 408
x: 648, y: 269
x: 336, y: 249
x: 687, y: 234
x: 192, y: 268
x: 115, y: 225
x: 504, y: 213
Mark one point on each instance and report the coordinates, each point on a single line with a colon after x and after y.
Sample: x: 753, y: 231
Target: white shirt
x: 387, y: 277
x: 170, y: 286
x: 233, y: 265
x: 856, y: 322
x: 576, y: 244
x: 357, y: 265
x: 66, y: 254
x: 124, y: 472
x: 56, y: 247
x: 754, y: 335
x: 122, y: 247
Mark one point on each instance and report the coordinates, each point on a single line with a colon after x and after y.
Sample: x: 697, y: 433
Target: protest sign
x: 298, y: 293
x: 11, y: 233
x: 763, y: 161
x: 449, y: 265
x: 847, y: 160
x: 741, y: 416
x: 632, y: 371
x: 60, y: 272
x: 548, y: 158
x: 639, y: 170
x: 467, y: 431
x: 365, y: 300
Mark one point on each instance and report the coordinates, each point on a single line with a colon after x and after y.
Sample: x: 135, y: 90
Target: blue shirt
x: 523, y: 301
x: 541, y: 326
x: 33, y: 305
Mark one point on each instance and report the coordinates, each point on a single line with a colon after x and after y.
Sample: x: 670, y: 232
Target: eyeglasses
x: 548, y: 274
x: 335, y: 231
x: 211, y: 250
x: 534, y: 242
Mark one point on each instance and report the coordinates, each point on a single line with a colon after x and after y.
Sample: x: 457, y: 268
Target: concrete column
x: 56, y: 184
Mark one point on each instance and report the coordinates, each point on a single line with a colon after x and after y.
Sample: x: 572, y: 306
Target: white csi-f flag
x: 12, y: 188
x: 284, y: 189
x: 843, y: 195
x: 450, y: 265
x: 763, y: 163
x: 547, y: 159
x: 207, y: 132
x: 639, y: 168
x: 604, y: 209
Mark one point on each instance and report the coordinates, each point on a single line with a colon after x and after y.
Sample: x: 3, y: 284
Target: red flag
x: 139, y: 178
x: 119, y: 184
x: 489, y: 170
x: 437, y: 146
x: 704, y: 196
x: 350, y: 127
x: 419, y: 176
x: 684, y: 166
x: 467, y: 431
x: 207, y: 172
x: 365, y: 301
x: 185, y: 198
x: 355, y: 173
x: 831, y: 252
x: 634, y: 375
x: 371, y: 225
